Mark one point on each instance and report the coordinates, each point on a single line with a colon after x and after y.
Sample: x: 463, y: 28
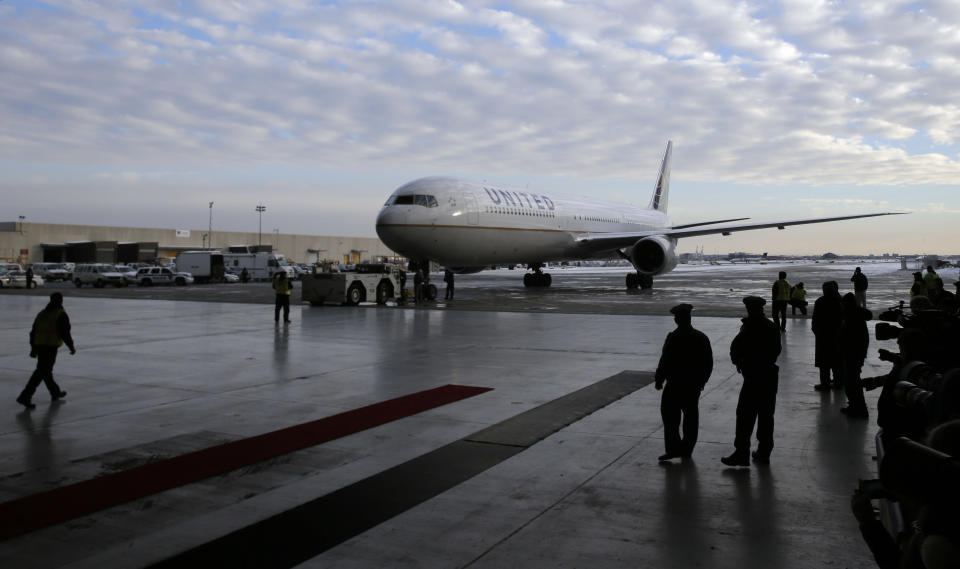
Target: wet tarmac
x: 715, y: 290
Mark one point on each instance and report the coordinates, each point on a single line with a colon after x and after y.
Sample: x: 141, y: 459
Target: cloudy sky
x: 140, y: 113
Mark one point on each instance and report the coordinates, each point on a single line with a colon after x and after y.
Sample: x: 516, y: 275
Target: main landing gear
x: 637, y: 280
x: 537, y: 278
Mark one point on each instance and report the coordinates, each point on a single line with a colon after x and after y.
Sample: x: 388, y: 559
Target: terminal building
x: 25, y: 242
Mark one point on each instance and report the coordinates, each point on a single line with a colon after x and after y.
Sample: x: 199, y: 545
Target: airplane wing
x: 610, y: 241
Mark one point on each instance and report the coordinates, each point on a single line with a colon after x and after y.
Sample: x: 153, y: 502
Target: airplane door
x: 473, y: 212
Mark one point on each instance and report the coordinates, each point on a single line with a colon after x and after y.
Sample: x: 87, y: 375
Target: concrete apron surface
x: 154, y: 379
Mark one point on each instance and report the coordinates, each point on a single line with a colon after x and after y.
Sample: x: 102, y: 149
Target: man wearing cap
x: 685, y: 365
x: 754, y: 352
x: 51, y: 329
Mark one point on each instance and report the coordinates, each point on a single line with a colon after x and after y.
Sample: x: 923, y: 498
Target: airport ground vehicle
x: 205, y: 266
x: 149, y: 276
x: 260, y: 266
x: 98, y: 275
x: 378, y: 281
x: 51, y: 271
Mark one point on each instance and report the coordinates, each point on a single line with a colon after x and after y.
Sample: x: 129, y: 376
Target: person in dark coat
x: 51, y: 329
x: 854, y: 341
x: 686, y: 363
x: 826, y: 322
x: 860, y: 284
x: 754, y: 352
x: 448, y: 278
x: 29, y: 277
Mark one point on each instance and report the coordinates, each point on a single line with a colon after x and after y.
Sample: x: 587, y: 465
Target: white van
x: 98, y: 275
x: 51, y: 271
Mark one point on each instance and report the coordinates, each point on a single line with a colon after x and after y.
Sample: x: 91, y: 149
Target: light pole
x: 22, y: 217
x: 204, y: 240
x: 210, y: 228
x: 260, y: 209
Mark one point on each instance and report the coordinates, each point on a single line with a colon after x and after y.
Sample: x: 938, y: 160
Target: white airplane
x: 467, y: 227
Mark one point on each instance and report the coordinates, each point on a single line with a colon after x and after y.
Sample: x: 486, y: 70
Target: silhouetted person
x: 798, y: 299
x: 685, y: 365
x: 930, y: 279
x: 918, y: 288
x: 781, y: 297
x: 754, y: 352
x: 244, y: 275
x: 448, y: 278
x: 29, y: 277
x: 854, y: 341
x: 826, y: 321
x: 417, y: 287
x: 51, y: 329
x: 281, y: 287
x: 860, y: 283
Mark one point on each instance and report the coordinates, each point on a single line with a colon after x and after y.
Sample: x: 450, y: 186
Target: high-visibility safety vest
x: 930, y: 279
x: 282, y: 287
x: 918, y: 288
x: 798, y: 294
x: 45, y: 331
x: 782, y: 288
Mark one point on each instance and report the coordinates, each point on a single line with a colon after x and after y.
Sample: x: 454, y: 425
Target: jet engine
x: 654, y: 255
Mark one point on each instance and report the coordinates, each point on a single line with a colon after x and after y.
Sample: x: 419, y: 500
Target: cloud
x: 808, y: 93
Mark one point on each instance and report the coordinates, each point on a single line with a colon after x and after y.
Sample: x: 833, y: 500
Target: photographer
x: 921, y: 480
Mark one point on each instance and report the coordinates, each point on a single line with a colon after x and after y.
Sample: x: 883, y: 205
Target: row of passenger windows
x: 517, y: 211
x: 414, y: 199
x: 591, y: 218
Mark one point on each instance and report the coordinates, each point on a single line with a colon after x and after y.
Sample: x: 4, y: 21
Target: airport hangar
x: 26, y: 242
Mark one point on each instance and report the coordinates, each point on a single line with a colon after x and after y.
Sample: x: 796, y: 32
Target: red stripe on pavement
x: 47, y: 508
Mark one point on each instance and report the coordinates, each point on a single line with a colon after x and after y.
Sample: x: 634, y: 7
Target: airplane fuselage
x: 465, y: 224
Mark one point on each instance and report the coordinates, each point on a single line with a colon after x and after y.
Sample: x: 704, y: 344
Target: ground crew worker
x: 448, y: 278
x: 244, y: 275
x: 29, y: 277
x: 859, y: 281
x: 798, y: 299
x: 418, y: 286
x: 930, y: 279
x: 282, y: 287
x: 685, y: 365
x: 754, y: 352
x: 781, y: 296
x: 918, y: 288
x: 51, y: 329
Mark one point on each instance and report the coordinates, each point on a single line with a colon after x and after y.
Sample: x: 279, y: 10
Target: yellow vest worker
x: 282, y: 286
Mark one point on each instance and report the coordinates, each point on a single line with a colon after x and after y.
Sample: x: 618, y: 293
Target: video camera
x: 917, y: 473
x: 921, y: 388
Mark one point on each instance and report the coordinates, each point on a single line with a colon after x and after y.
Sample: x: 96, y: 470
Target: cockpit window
x: 414, y: 199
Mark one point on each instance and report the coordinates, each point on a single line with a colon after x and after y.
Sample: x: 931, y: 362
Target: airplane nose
x: 389, y: 222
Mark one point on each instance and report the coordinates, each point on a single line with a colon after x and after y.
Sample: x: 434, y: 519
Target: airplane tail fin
x: 660, y: 192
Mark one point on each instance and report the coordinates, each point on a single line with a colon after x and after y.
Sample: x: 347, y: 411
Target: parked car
x: 129, y: 273
x: 230, y: 277
x: 149, y: 276
x: 4, y: 277
x: 51, y: 271
x: 98, y: 275
x: 18, y: 279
